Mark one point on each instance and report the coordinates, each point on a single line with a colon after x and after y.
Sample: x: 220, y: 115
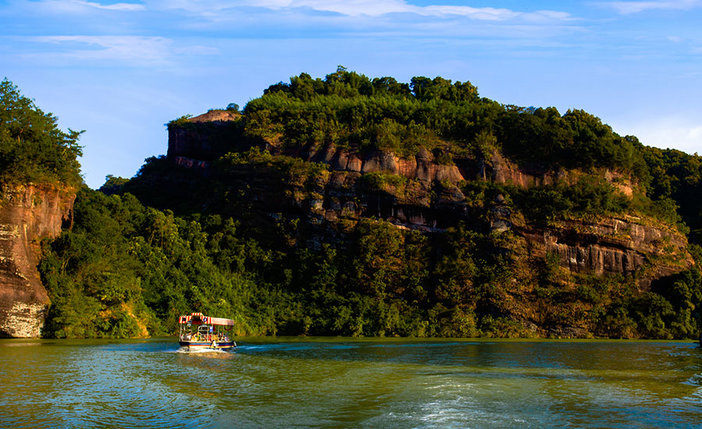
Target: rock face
x: 613, y: 246
x: 421, y: 167
x: 203, y: 137
x: 27, y: 215
x: 427, y: 197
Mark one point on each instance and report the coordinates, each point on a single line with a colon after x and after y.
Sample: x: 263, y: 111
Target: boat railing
x: 219, y: 337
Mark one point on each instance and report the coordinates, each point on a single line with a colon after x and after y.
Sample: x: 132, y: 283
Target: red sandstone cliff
x: 27, y: 215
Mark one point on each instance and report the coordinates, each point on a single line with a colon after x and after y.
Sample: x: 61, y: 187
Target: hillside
x: 356, y: 206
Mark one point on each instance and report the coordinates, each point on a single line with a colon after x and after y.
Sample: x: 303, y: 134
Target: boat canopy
x: 200, y: 319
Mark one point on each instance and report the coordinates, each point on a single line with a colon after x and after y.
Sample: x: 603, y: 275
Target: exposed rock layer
x: 27, y: 215
x: 613, y: 246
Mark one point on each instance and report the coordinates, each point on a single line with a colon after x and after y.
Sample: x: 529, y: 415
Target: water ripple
x: 345, y: 383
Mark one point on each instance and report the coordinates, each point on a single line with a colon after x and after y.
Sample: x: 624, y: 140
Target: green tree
x: 32, y: 147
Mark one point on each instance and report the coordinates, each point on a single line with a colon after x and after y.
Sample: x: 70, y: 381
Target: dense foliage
x: 32, y: 147
x: 125, y: 270
x: 351, y: 110
x: 677, y: 179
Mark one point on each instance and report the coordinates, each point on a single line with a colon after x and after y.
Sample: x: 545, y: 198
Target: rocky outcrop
x: 27, y: 215
x: 208, y: 136
x: 204, y: 137
x: 613, y: 246
x: 421, y: 167
x: 609, y: 245
x: 499, y: 169
x: 427, y: 196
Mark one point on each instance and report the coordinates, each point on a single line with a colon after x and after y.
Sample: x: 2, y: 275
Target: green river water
x: 341, y: 382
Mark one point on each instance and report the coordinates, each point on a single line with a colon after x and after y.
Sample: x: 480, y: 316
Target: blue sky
x: 121, y: 70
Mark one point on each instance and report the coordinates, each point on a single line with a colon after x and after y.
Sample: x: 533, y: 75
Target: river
x: 341, y: 382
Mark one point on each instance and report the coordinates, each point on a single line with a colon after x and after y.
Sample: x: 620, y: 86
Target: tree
x: 32, y: 147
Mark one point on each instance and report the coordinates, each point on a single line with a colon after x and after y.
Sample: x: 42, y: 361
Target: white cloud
x: 630, y: 7
x: 484, y: 13
x: 492, y: 14
x: 369, y: 8
x: 195, y: 6
x: 133, y: 49
x: 343, y: 7
x: 80, y: 6
x: 669, y: 133
x: 115, y: 6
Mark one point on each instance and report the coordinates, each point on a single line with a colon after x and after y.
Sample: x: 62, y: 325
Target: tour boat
x: 199, y: 332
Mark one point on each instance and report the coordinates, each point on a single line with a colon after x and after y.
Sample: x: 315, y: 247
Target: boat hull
x: 207, y: 345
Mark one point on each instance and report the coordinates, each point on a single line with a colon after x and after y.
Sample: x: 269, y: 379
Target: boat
x: 200, y: 332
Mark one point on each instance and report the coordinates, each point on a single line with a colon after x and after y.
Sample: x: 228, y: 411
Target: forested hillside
x: 357, y: 206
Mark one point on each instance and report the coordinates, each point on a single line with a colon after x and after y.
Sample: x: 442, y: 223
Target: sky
x: 121, y: 70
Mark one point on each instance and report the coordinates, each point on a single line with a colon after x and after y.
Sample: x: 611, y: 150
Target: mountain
x: 357, y: 206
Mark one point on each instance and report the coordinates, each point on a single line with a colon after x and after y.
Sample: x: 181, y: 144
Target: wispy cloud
x: 131, y: 49
x: 348, y: 7
x: 493, y: 14
x: 370, y: 8
x: 114, y: 6
x: 631, y: 7
x: 100, y: 32
x: 80, y: 6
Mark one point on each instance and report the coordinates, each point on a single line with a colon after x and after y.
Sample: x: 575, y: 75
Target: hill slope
x: 357, y: 206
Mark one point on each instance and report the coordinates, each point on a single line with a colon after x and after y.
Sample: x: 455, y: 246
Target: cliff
x: 28, y: 214
x: 420, y: 193
x: 205, y: 136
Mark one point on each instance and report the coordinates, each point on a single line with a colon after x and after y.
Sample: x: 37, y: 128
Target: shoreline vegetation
x: 271, y: 339
x: 237, y: 241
